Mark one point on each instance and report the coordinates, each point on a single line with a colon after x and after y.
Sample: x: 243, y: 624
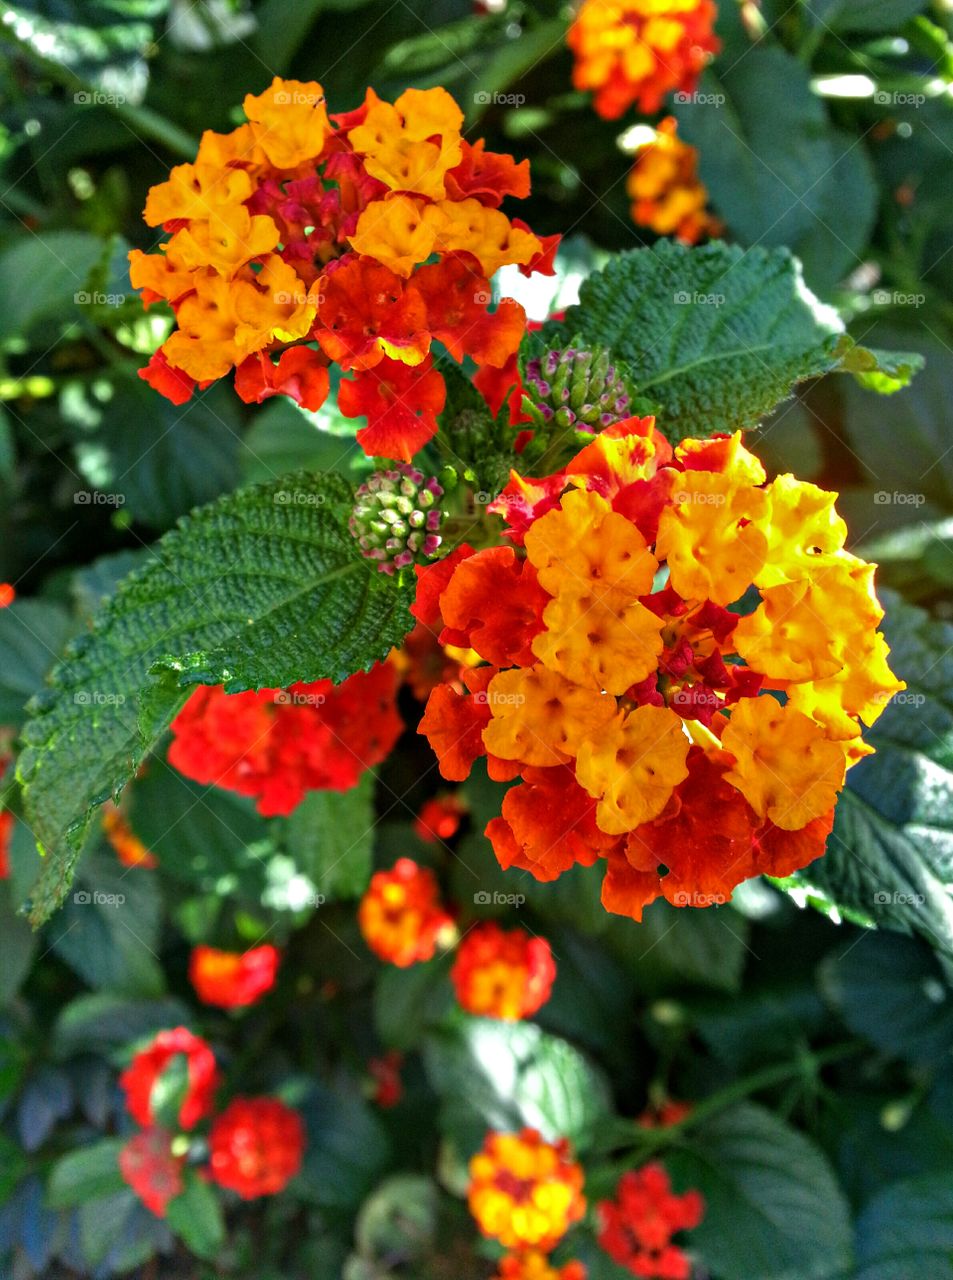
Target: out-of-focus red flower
x: 663, y: 1114
x: 130, y: 850
x: 385, y: 1072
x: 6, y: 831
x: 637, y: 1227
x: 256, y: 1146
x: 401, y: 916
x: 8, y: 593
x: 533, y: 1265
x: 502, y: 974
x: 148, y: 1065
x: 440, y: 817
x: 232, y: 979
x: 147, y: 1164
x: 277, y: 744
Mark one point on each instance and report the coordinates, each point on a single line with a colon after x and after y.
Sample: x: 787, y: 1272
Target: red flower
x: 256, y: 1146
x: 487, y: 176
x: 301, y: 374
x: 385, y: 1072
x: 401, y: 406
x: 277, y: 744
x: 494, y: 604
x: 440, y: 818
x: 139, y: 1078
x: 8, y: 593
x: 637, y: 1227
x: 231, y: 979
x: 174, y: 384
x: 147, y: 1164
x: 6, y: 831
x: 457, y: 296
x: 366, y: 313
x: 500, y: 974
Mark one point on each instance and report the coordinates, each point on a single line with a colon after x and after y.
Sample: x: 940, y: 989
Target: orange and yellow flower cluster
x: 666, y: 192
x: 506, y: 974
x: 356, y: 239
x: 525, y: 1192
x: 678, y: 659
x: 401, y: 916
x: 637, y: 51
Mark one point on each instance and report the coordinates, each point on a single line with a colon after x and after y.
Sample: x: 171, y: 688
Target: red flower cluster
x: 401, y: 916
x: 637, y: 1227
x: 148, y: 1166
x: 232, y: 979
x: 6, y: 831
x: 140, y: 1077
x: 276, y: 744
x: 256, y: 1146
x: 503, y: 974
x: 440, y: 818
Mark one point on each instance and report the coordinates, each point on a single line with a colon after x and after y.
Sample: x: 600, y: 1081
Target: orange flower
x: 498, y: 974
x: 642, y: 720
x: 525, y: 1192
x: 130, y: 850
x: 634, y: 52
x: 299, y: 228
x: 534, y: 1265
x: 666, y: 192
x: 400, y: 916
x: 232, y: 979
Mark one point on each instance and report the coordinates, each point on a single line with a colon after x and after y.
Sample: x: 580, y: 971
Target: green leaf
x: 104, y: 1021
x: 40, y: 276
x: 731, y: 331
x: 331, y: 839
x: 890, y: 855
x: 781, y: 178
x: 196, y: 1217
x: 907, y: 1231
x: 33, y: 634
x: 86, y: 1174
x: 284, y: 438
x: 862, y: 15
x: 19, y: 943
x: 13, y: 1165
x: 347, y: 1150
x: 882, y: 371
x: 773, y: 1210
x: 263, y: 588
x: 890, y: 990
x: 503, y: 1075
x: 409, y: 1001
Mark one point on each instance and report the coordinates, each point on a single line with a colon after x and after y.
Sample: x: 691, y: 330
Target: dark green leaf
x: 32, y: 636
x: 347, y: 1150
x: 88, y: 1173
x: 331, y: 839
x: 907, y: 1231
x: 105, y: 1021
x: 408, y: 1001
x: 196, y: 1217
x: 57, y: 265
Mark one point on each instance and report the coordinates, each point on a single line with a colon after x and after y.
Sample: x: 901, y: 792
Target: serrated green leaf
x: 331, y: 839
x: 907, y: 1230
x: 773, y: 1210
x: 717, y: 336
x: 890, y: 856
x: 882, y: 371
x: 263, y: 588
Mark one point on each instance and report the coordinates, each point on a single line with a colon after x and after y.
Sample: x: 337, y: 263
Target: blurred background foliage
x: 829, y: 131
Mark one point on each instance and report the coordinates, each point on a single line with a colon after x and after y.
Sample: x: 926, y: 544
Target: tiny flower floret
x: 396, y: 517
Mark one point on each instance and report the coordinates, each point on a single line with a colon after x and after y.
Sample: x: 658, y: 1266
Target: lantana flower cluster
x: 233, y: 979
x: 678, y: 659
x: 278, y: 744
x: 356, y: 240
x: 496, y: 973
x: 636, y: 1228
x: 666, y: 192
x: 526, y: 1193
x: 255, y: 1145
x: 635, y: 52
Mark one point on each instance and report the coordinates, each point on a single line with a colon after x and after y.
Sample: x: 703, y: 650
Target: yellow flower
x: 786, y: 766
x: 196, y: 191
x: 607, y: 640
x: 586, y: 547
x: 396, y: 140
x: 226, y: 240
x: 804, y: 531
x: 632, y: 766
x: 540, y: 717
x: 399, y: 231
x: 291, y: 121
x: 524, y: 1191
x: 861, y: 689
x: 467, y: 225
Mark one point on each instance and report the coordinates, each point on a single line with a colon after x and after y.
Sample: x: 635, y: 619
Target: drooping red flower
x: 148, y: 1166
x: 277, y: 744
x: 456, y: 293
x: 233, y: 979
x: 637, y: 1227
x: 400, y: 403
x: 300, y: 374
x: 174, y: 384
x: 256, y: 1146
x: 506, y: 974
x: 139, y: 1078
x: 6, y: 831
